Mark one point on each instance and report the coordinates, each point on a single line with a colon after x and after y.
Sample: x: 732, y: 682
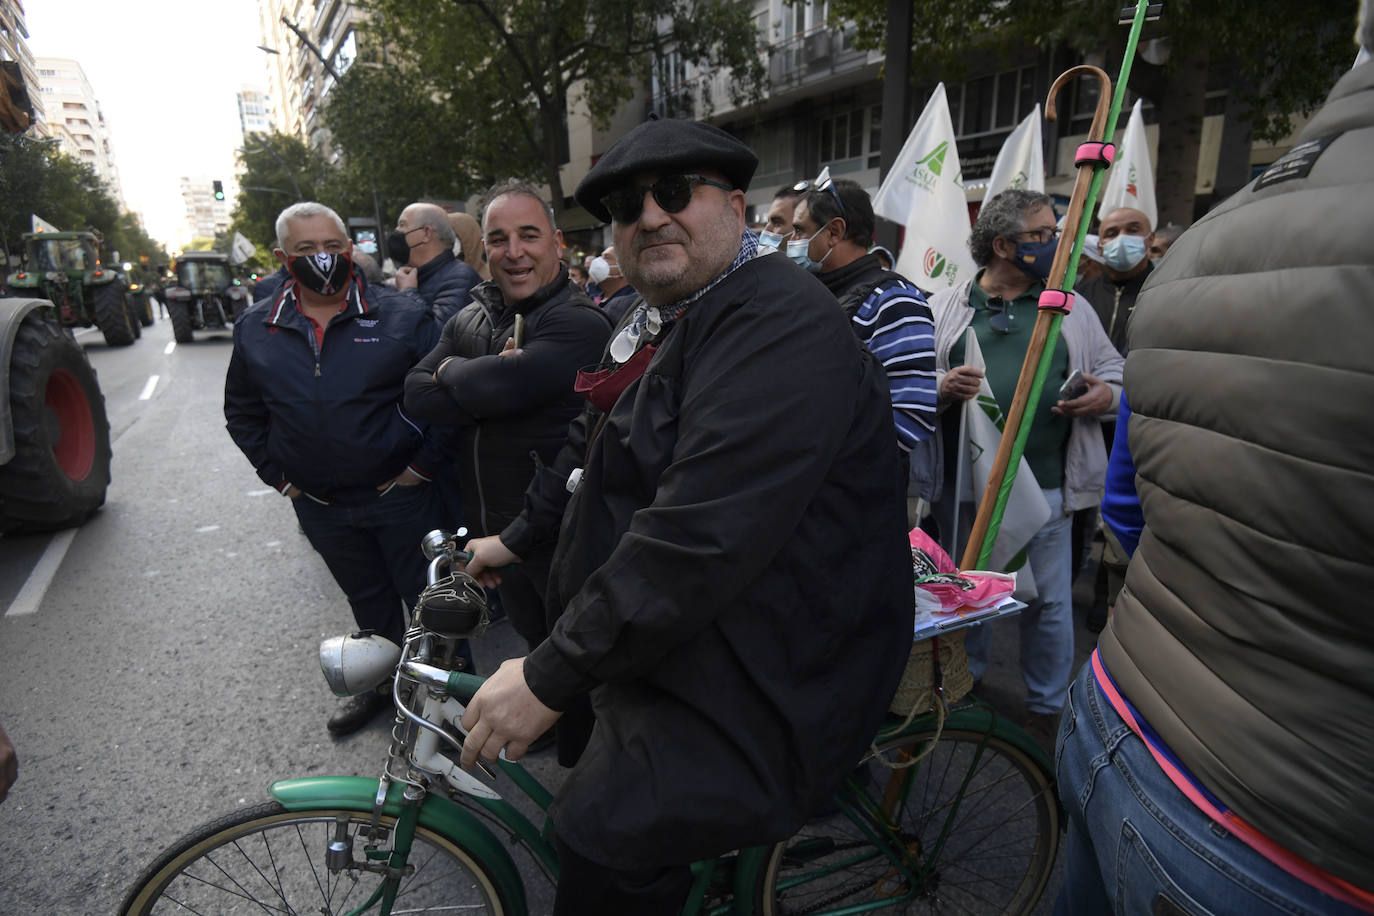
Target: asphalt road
x: 168, y: 672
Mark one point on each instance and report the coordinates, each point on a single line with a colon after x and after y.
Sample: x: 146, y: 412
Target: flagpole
x: 1062, y: 274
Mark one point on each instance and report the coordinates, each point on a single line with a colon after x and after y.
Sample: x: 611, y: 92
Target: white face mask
x: 600, y: 269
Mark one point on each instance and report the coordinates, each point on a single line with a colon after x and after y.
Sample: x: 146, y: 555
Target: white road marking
x: 171, y: 345
x: 36, y: 586
x: 206, y: 529
x: 272, y: 544
x: 148, y: 388
x: 262, y: 492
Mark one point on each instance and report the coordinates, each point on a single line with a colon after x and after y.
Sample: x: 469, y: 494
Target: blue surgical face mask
x: 1123, y: 253
x: 800, y: 252
x: 1154, y: 262
x: 770, y: 241
x: 1035, y: 258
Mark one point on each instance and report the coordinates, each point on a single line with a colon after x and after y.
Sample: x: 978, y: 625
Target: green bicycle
x: 959, y: 819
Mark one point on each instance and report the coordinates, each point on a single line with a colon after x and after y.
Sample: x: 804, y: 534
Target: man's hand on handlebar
x: 488, y: 556
x: 504, y: 714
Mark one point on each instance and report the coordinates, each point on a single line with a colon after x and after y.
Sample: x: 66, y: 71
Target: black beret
x: 664, y: 145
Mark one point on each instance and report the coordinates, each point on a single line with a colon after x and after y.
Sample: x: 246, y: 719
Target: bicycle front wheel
x: 972, y: 828
x: 266, y: 859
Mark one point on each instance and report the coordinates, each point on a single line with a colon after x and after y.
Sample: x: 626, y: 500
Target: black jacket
x: 445, y: 285
x: 328, y: 418
x: 732, y: 581
x: 512, y: 411
x: 1114, y: 302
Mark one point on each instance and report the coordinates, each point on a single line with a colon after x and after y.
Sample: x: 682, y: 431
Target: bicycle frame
x: 421, y: 790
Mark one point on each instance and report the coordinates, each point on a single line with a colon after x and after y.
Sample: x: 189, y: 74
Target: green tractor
x: 65, y: 268
x: 204, y: 295
x: 54, y: 433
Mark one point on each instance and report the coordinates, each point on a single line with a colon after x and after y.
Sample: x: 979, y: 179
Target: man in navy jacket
x: 313, y: 398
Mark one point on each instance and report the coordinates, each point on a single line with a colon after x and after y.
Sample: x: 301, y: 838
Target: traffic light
x: 219, y: 190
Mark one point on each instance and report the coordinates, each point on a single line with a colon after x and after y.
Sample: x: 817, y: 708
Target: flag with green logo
x: 924, y: 191
x: 1021, y: 161
x: 1027, y: 511
x: 1131, y: 179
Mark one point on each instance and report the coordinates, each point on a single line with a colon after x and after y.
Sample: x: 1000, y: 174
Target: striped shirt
x: 895, y: 323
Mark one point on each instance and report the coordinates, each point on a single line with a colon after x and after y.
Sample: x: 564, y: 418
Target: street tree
x: 494, y: 79
x: 1278, y: 58
x: 36, y: 178
x: 279, y: 170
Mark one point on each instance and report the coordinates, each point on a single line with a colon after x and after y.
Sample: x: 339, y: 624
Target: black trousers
x: 588, y: 889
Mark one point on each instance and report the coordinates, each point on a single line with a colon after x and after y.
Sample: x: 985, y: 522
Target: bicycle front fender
x: 356, y: 793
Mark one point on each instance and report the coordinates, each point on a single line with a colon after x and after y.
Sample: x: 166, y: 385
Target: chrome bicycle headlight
x: 357, y: 663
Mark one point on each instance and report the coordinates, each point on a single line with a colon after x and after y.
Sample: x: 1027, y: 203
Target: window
x: 346, y: 54
x: 47, y: 73
x: 851, y: 135
x: 991, y: 104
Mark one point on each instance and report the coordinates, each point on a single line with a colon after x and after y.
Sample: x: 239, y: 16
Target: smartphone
x: 1075, y: 386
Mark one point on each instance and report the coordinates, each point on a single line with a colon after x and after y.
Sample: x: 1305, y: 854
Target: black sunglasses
x: 671, y: 192
x: 823, y: 182
x: 1000, y: 318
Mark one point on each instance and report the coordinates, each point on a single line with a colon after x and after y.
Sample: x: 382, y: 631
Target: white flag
x: 1026, y: 510
x: 1131, y: 179
x: 924, y: 191
x: 1021, y: 161
x: 241, y: 250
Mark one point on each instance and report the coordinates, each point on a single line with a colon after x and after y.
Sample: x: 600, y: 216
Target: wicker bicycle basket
x: 916, y: 690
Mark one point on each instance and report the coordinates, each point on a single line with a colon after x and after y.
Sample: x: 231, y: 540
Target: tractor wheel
x: 61, y: 466
x: 144, y: 307
x: 111, y: 315
x: 179, y: 314
x: 131, y: 309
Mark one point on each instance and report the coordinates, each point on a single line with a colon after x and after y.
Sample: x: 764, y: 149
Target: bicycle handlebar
x: 462, y: 686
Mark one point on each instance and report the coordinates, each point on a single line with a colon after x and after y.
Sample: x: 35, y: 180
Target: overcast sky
x: 166, y: 73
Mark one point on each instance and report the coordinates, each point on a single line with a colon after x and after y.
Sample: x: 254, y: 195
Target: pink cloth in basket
x: 942, y: 589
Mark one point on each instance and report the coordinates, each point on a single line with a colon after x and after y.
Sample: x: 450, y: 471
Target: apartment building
x: 73, y: 116
x: 298, y: 81
x: 14, y: 34
x: 255, y: 111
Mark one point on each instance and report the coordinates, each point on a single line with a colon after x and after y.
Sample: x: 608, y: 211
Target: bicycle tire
x: 232, y: 865
x: 997, y: 857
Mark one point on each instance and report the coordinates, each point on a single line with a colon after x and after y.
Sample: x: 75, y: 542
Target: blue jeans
x: 1136, y: 844
x: 1047, y: 624
x: 373, y: 551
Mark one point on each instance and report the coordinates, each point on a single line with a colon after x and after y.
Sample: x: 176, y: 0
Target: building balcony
x: 795, y: 66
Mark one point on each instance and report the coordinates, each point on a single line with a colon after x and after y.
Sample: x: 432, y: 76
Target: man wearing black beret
x: 732, y: 581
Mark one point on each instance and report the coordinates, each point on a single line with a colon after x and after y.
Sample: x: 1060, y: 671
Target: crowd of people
x: 656, y: 448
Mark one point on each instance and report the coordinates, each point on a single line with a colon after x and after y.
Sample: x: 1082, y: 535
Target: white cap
x: 1091, y: 248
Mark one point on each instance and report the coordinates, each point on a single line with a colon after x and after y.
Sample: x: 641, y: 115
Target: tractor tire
x: 179, y: 314
x: 61, y: 466
x: 131, y: 309
x: 144, y: 308
x: 111, y: 315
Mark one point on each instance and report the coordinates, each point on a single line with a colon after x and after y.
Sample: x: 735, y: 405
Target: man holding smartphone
x: 1014, y: 241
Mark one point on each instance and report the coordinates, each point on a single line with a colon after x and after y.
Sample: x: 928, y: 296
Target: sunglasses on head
x: 672, y: 193
x: 823, y: 182
x: 1000, y: 318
